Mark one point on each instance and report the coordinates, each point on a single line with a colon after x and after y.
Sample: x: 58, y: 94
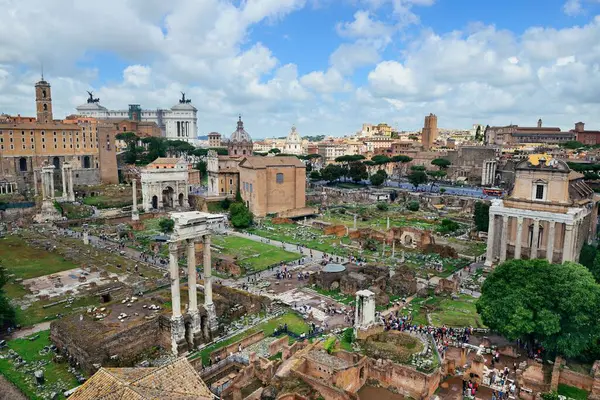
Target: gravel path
x: 8, y: 391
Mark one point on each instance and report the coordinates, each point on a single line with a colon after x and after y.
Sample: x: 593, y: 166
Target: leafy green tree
x: 382, y: 206
x: 587, y: 255
x: 240, y: 216
x: 478, y: 134
x: 437, y: 175
x: 315, y: 175
x: 201, y: 166
x: 448, y: 226
x: 358, y: 171
x: 595, y: 267
x: 378, y: 178
x: 225, y: 203
x: 332, y: 172
x: 381, y: 159
x: 166, y: 225
x: 442, y: 190
x: 417, y: 178
x: 553, y: 304
x: 417, y: 168
x: 275, y: 151
x: 481, y: 216
x: 8, y: 316
x: 573, y: 145
x: 441, y: 163
x: 132, y: 151
x: 413, y: 206
x: 178, y: 148
x: 156, y: 147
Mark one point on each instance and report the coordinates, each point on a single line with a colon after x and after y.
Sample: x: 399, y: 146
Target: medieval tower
x: 43, y: 101
x: 430, y: 131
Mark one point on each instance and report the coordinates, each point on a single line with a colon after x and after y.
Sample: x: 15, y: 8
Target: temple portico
x: 549, y: 214
x: 189, y: 227
x: 512, y: 231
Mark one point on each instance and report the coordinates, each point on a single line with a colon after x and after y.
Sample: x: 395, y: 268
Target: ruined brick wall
x: 572, y: 378
x: 405, y: 379
x: 278, y: 345
x: 131, y: 342
x: 233, y: 348
x: 328, y: 392
x: 337, y: 230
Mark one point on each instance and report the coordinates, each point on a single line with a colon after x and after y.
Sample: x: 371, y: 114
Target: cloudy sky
x: 326, y: 66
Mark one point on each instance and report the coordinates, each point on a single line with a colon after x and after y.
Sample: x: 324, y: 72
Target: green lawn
x: 336, y: 295
x: 28, y: 262
x: 252, y: 255
x: 572, y: 392
x: 455, y: 313
x: 106, y: 201
x: 294, y: 322
x: 57, y: 378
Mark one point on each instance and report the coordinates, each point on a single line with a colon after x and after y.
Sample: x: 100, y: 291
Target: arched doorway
x: 86, y: 162
x: 22, y: 164
x: 56, y: 162
x: 167, y: 196
x: 181, y: 199
x: 155, y: 202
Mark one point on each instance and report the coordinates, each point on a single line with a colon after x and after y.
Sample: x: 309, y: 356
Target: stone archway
x: 167, y: 197
x: 408, y: 239
x: 181, y: 199
x: 155, y: 202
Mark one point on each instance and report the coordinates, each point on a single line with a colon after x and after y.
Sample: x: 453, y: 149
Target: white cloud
x: 137, y: 75
x: 205, y: 48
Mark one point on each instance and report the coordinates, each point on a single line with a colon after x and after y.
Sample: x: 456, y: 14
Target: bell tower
x: 43, y: 101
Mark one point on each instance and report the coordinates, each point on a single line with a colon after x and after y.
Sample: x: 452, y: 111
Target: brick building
x: 586, y: 137
x: 26, y: 144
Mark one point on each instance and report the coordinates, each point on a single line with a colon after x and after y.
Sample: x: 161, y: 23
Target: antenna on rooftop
x: 42, y: 67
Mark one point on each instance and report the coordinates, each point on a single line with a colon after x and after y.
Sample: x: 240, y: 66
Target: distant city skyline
x: 324, y: 66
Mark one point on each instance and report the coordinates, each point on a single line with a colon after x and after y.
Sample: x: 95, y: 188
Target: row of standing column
x: 570, y: 239
x: 177, y: 327
x: 67, y: 183
x: 8, y: 188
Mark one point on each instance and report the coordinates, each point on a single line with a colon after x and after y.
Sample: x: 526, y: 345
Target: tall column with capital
x: 534, y: 240
x: 550, y: 241
x: 135, y: 215
x: 568, y: 243
x: 504, y: 238
x: 70, y: 178
x: 35, y: 182
x: 519, y: 239
x: 208, y: 301
x: 489, y: 257
x: 178, y: 343
x: 196, y: 326
x: 64, y: 183
x: 51, y: 177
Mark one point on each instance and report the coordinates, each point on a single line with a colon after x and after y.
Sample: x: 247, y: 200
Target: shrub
x: 329, y: 344
x: 166, y: 225
x: 225, y: 203
x: 382, y: 206
x: 448, y: 226
x: 413, y: 206
x: 240, y: 216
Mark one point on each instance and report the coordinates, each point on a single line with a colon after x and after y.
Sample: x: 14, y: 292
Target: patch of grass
x: 336, y: 295
x: 57, y: 378
x: 106, y: 201
x: 455, y: 313
x: 27, y: 262
x: 572, y: 392
x: 294, y: 322
x: 252, y: 255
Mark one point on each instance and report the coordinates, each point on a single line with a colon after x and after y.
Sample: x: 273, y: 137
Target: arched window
x: 44, y: 94
x: 23, y: 164
x: 45, y: 107
x: 56, y: 162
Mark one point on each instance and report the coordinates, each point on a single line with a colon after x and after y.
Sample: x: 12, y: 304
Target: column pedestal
x: 86, y: 238
x: 178, y: 342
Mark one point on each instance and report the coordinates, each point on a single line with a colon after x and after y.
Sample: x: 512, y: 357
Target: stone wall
x: 225, y: 298
x: 326, y: 391
x: 408, y: 381
x: 15, y: 214
x: 278, y: 345
x: 233, y: 347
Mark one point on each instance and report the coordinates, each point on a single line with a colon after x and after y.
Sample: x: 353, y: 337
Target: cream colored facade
x: 273, y: 185
x: 550, y: 214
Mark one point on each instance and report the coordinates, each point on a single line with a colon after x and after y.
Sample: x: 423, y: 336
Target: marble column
x: 196, y: 326
x: 44, y: 189
x: 354, y: 221
x: 534, y: 240
x: 208, y: 301
x: 576, y: 233
x: 550, y: 241
x: 504, y: 238
x: 35, y: 182
x: 51, y: 177
x: 135, y: 215
x: 388, y: 223
x: 519, y: 239
x: 489, y: 257
x: 568, y: 243
x: 64, y: 183
x: 177, y: 324
x: 70, y: 178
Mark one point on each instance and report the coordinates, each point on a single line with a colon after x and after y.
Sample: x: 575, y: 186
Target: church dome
x: 240, y: 135
x: 293, y: 137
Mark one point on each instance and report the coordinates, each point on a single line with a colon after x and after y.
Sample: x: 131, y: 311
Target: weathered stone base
x: 178, y: 343
x: 47, y: 213
x: 212, y: 317
x: 135, y: 215
x: 195, y: 335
